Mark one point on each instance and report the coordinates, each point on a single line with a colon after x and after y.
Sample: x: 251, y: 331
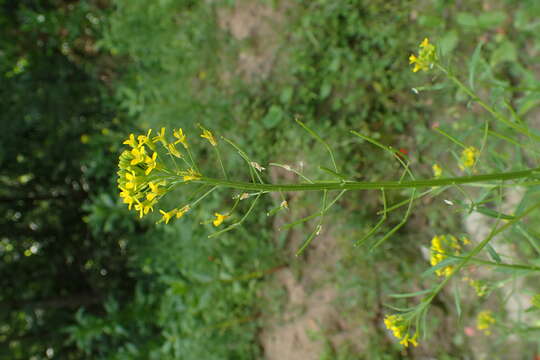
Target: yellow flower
x: 408, y: 340
x: 131, y: 141
x: 437, y: 170
x: 399, y: 327
x: 426, y: 57
x: 150, y: 163
x: 154, y: 191
x: 484, y: 321
x: 173, y: 150
x: 219, y: 219
x: 441, y: 247
x: 85, y: 138
x: 469, y: 157
x: 160, y: 137
x: 397, y: 324
x: 181, y: 212
x: 190, y: 175
x: 144, y: 208
x: 209, y: 136
x: 127, y: 197
x: 167, y: 215
x: 131, y: 180
x: 478, y: 286
x: 142, y: 139
x: 139, y: 155
x: 179, y: 134
x: 414, y: 60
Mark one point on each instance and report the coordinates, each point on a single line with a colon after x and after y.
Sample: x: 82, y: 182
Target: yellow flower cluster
x: 426, y: 57
x: 400, y: 328
x: 441, y: 247
x: 484, y: 321
x: 142, y: 174
x: 220, y: 218
x: 174, y: 212
x: 468, y: 157
x: 207, y: 134
x: 479, y: 286
x: 437, y: 171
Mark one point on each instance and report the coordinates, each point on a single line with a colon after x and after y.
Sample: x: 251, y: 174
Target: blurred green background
x: 83, y: 278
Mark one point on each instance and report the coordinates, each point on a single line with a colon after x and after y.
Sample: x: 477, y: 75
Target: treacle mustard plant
x: 153, y: 167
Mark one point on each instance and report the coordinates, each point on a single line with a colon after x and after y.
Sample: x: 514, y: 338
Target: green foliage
x: 76, y: 75
x: 347, y: 64
x: 57, y: 139
x: 194, y: 298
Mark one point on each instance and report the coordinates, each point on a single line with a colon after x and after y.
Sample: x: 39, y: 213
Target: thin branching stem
x: 366, y: 185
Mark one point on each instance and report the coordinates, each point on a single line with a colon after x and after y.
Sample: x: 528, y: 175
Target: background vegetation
x: 82, y: 278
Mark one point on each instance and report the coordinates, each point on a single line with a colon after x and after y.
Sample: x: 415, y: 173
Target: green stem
x: 488, y: 108
x: 364, y: 185
x: 474, y: 252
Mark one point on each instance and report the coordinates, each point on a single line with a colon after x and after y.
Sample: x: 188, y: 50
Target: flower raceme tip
x: 400, y: 329
x: 145, y: 174
x: 426, y: 57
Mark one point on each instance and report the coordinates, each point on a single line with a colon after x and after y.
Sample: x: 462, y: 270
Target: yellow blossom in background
x: 479, y: 287
x: 207, y: 134
x: 167, y: 215
x: 85, y: 138
x: 181, y: 212
x: 426, y: 57
x: 219, y: 219
x: 399, y: 327
x: 179, y: 134
x: 437, y: 170
x: 484, y: 321
x: 441, y: 247
x: 409, y: 340
x: 468, y: 158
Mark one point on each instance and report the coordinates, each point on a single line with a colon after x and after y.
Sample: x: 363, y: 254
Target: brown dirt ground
x: 309, y: 318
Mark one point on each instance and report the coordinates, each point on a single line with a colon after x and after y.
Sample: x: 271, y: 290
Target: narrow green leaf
x: 473, y: 64
x: 493, y: 254
x: 334, y: 173
x: 457, y: 301
x: 492, y: 213
x: 400, y: 309
x: 533, y: 240
x: 412, y: 294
